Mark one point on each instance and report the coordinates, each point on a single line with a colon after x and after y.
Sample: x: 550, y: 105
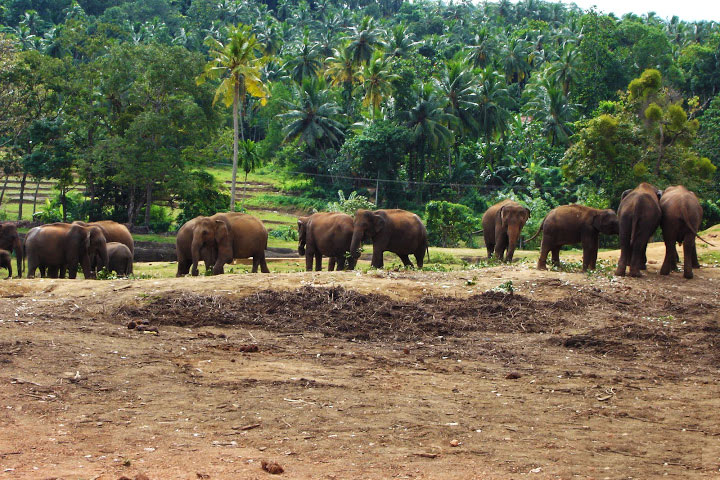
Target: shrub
x: 449, y: 223
x: 284, y: 232
x: 160, y: 219
x: 351, y: 204
x: 53, y: 210
x: 202, y: 196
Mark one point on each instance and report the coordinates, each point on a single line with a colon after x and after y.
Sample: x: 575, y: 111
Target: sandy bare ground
x: 377, y: 375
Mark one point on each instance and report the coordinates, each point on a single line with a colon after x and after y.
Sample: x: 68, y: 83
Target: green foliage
x: 648, y: 84
x: 161, y: 219
x: 53, y: 210
x: 450, y: 223
x: 201, y: 195
x: 284, y: 232
x: 351, y: 204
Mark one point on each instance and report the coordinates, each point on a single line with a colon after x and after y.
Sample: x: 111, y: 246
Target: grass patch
x: 273, y: 201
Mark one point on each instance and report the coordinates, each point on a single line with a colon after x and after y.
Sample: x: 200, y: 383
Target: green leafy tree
x: 450, y: 223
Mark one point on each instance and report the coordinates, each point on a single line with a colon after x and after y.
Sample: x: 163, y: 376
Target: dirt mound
x: 349, y: 314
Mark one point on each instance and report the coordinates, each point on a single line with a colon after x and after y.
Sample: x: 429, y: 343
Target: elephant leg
x: 340, y: 263
x: 318, y: 261
x: 490, y: 249
x: 420, y: 258
x: 309, y: 257
x: 183, y: 267
x: 688, y: 246
x: 695, y: 262
x: 637, y: 256
x: 52, y: 272
x: 669, y: 263
x: 406, y: 260
x: 331, y: 264
x: 556, y: 256
x: 501, y: 246
x: 544, y: 251
x: 31, y: 267
x: 262, y: 262
x: 43, y: 271
x: 377, y: 256
x: 590, y: 251
x: 62, y: 272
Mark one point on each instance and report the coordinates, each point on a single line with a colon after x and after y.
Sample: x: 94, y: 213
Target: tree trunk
x: 148, y: 203
x: 2, y: 194
x: 661, y: 152
x: 244, y: 190
x: 63, y: 201
x: 236, y: 128
x: 131, y: 207
x: 22, y: 194
x: 37, y: 188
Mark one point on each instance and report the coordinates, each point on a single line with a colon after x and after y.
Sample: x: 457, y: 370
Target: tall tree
x: 238, y: 64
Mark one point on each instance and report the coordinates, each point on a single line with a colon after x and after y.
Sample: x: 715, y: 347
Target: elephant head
x: 368, y: 225
x: 302, y: 234
x: 10, y: 241
x: 511, y: 218
x: 606, y: 221
x: 83, y: 244
x: 211, y: 241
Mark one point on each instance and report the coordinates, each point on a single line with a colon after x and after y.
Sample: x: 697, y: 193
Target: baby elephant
x: 120, y: 259
x: 5, y: 262
x: 569, y: 224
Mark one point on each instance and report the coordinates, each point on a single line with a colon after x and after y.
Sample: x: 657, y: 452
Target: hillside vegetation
x: 132, y: 110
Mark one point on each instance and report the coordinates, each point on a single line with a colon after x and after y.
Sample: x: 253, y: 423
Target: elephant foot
x: 635, y: 273
x: 696, y: 265
x: 619, y: 272
x: 542, y: 267
x: 195, y: 273
x: 688, y: 274
x: 665, y: 270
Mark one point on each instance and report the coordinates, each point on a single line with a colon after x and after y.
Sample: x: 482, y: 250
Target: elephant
x: 329, y: 234
x: 569, y: 224
x: 218, y: 240
x: 114, y: 232
x: 397, y: 231
x: 57, y: 246
x: 5, y: 262
x: 681, y: 218
x: 639, y: 216
x: 10, y: 241
x: 120, y: 259
x: 502, y: 224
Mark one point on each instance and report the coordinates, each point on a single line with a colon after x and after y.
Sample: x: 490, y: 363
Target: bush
x: 53, y: 209
x: 285, y: 232
x: 449, y: 223
x: 202, y: 196
x: 160, y: 219
x: 351, y: 204
x: 266, y: 200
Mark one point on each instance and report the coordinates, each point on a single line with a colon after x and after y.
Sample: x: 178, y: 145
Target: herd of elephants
x: 219, y: 239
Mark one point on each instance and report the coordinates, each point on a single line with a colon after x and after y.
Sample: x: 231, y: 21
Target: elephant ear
x: 221, y: 232
x: 625, y: 193
x: 597, y: 221
x: 378, y: 222
x: 501, y: 215
x: 527, y: 213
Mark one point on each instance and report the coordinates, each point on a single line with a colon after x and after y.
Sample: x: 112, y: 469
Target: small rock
x: 202, y: 475
x: 131, y: 325
x: 406, y: 351
x: 272, y: 467
x: 249, y: 348
x: 513, y: 376
x: 454, y: 443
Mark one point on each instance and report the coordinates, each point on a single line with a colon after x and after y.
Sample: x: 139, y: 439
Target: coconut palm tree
x: 515, y: 61
x: 238, y: 65
x: 550, y: 106
x: 400, y: 42
x: 377, y: 78
x: 343, y: 72
x: 311, y: 119
x: 304, y: 63
x: 250, y: 161
x: 493, y: 101
x: 481, y: 50
x: 364, y: 40
x: 566, y: 70
x: 458, y: 85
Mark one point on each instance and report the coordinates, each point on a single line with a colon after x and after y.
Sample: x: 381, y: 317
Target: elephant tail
x: 634, y: 229
x: 690, y: 227
x: 427, y: 248
x: 536, y: 233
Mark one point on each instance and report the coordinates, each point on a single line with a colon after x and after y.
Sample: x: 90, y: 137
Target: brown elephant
x: 114, y: 232
x: 570, y: 224
x: 502, y: 224
x: 218, y: 240
x: 120, y: 259
x: 639, y: 215
x: 397, y: 231
x: 10, y: 241
x: 681, y: 218
x: 5, y: 262
x: 329, y: 234
x: 57, y: 246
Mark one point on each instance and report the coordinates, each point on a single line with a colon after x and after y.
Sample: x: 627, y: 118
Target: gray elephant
x: 5, y: 262
x: 502, y: 225
x: 395, y: 230
x: 10, y: 241
x: 120, y: 259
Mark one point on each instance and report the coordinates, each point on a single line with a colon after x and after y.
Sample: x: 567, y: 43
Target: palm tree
x: 493, y: 101
x: 550, y: 106
x: 237, y: 63
x: 429, y: 122
x: 312, y: 118
x: 566, y: 70
x: 458, y: 85
x: 364, y: 40
x: 304, y: 63
x: 343, y: 72
x: 400, y: 43
x: 377, y: 78
x: 481, y: 50
x: 515, y: 62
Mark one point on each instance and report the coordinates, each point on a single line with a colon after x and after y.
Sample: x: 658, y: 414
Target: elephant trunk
x: 195, y: 254
x: 18, y: 247
x: 104, y: 261
x: 513, y: 236
x: 224, y: 255
x: 85, y: 264
x: 356, y: 243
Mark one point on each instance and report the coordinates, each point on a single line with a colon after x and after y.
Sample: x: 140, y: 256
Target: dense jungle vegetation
x: 444, y: 105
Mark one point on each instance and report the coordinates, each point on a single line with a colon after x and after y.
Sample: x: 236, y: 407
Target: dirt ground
x: 374, y: 375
